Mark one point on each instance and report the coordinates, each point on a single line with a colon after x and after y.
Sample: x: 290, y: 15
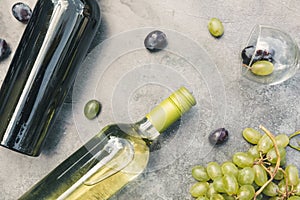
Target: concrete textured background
x: 231, y: 101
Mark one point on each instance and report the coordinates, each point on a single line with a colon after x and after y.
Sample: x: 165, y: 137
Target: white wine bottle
x: 112, y: 158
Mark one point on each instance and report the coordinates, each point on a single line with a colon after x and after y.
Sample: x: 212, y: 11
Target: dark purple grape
x: 218, y: 136
x: 22, y: 12
x: 247, y: 54
x: 4, y: 49
x: 155, y: 41
x: 260, y: 54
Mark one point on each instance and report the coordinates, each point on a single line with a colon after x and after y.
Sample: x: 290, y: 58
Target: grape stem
x: 272, y: 174
x: 290, y: 137
x: 248, y: 67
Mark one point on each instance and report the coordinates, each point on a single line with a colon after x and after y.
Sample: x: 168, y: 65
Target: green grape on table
x: 213, y: 170
x: 279, y: 174
x: 282, y: 140
x: 297, y: 189
x: 229, y: 168
x: 218, y: 185
x: 246, y: 176
x: 283, y: 162
x: 271, y: 190
x: 294, y: 198
x: 92, y: 108
x: 228, y: 197
x: 282, y: 186
x: 260, y: 175
x: 253, y: 151
x: 272, y: 155
x: 246, y: 192
x: 217, y: 197
x: 251, y: 135
x: 292, y: 175
x: 199, y: 189
x: 243, y: 159
x: 211, y: 190
x: 265, y: 144
x: 260, y: 197
x: 202, y: 198
x: 276, y: 198
x: 199, y: 173
x: 231, y: 185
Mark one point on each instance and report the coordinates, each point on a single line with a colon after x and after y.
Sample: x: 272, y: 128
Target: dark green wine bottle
x: 111, y: 159
x: 43, y: 68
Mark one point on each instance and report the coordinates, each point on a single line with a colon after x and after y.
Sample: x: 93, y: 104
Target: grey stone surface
x: 225, y: 98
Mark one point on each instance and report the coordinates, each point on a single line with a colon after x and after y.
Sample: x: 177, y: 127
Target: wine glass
x: 285, y: 54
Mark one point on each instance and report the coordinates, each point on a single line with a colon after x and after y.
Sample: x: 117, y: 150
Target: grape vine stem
x: 272, y: 175
x: 291, y: 136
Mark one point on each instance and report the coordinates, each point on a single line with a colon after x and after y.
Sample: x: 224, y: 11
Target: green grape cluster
x: 259, y: 173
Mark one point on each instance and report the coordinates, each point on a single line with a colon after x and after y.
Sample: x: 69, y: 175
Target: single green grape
x: 92, y: 109
x: 242, y: 159
x: 213, y: 170
x: 219, y: 185
x: 282, y: 186
x: 260, y: 197
x: 264, y: 144
x: 279, y: 174
x: 246, y: 192
x: 229, y: 168
x: 231, y: 185
x: 283, y: 161
x: 294, y: 198
x: 260, y: 175
x: 199, y: 173
x: 262, y: 68
x: 211, y: 190
x: 256, y: 187
x: 217, y: 197
x: 215, y: 27
x: 228, y: 197
x: 271, y: 190
x: 276, y: 198
x: 251, y: 135
x: 246, y: 176
x: 292, y: 175
x: 253, y: 151
x: 297, y: 189
x: 202, y: 198
x: 272, y: 156
x: 282, y: 140
x: 199, y: 189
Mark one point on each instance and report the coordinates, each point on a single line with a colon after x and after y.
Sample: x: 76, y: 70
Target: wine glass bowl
x: 284, y: 50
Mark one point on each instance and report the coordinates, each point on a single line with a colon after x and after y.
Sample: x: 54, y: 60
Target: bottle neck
x: 170, y: 110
